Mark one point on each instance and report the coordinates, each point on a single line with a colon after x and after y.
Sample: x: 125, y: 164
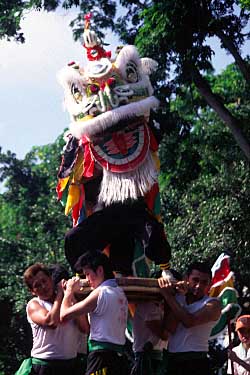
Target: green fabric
x: 37, y: 361
x: 98, y: 345
x: 230, y: 310
x: 140, y: 267
x: 157, y: 205
x: 26, y: 365
x: 232, y: 313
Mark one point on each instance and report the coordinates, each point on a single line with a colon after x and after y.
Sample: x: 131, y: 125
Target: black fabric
x: 106, y: 362
x: 119, y: 225
x: 179, y: 366
x: 69, y: 157
x: 58, y: 367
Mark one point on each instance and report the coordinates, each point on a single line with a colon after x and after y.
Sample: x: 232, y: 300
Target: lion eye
x: 132, y: 72
x: 76, y: 92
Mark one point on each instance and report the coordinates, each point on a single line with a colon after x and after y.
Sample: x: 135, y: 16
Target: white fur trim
x: 128, y: 53
x: 117, y: 187
x: 104, y: 121
x: 148, y: 65
x: 68, y: 75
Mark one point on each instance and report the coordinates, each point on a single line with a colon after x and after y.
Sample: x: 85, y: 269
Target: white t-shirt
x: 141, y: 333
x: 53, y: 343
x: 193, y: 339
x: 109, y: 319
x: 242, y: 354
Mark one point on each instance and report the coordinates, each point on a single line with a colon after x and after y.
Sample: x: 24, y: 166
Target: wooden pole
x: 230, y: 341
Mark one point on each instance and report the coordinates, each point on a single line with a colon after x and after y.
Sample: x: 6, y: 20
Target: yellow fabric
x: 63, y: 183
x: 78, y: 168
x: 156, y: 160
x: 73, y: 197
x: 85, y: 118
x: 214, y: 292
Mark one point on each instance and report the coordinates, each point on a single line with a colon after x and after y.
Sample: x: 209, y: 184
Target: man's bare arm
x: 70, y: 309
x: 41, y: 316
x: 210, y: 312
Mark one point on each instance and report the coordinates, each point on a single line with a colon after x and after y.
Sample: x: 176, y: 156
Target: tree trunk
x: 229, y: 45
x: 224, y: 114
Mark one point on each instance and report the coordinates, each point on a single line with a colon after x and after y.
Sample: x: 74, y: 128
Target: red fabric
x: 89, y: 163
x: 151, y: 195
x: 153, y: 143
x: 222, y: 272
x: 59, y: 190
x: 100, y: 53
x: 77, y: 207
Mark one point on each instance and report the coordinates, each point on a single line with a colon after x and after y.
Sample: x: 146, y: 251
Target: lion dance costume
x: 108, y: 175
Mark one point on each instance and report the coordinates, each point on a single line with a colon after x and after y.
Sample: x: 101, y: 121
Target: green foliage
x: 245, y: 4
x: 13, y: 11
x: 32, y: 228
x: 204, y: 180
x: 204, y: 177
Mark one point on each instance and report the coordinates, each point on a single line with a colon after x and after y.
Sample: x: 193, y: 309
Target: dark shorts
x: 188, y: 364
x: 145, y: 364
x: 58, y: 367
x: 106, y: 362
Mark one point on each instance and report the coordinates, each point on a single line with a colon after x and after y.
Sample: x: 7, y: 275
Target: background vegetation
x: 204, y: 153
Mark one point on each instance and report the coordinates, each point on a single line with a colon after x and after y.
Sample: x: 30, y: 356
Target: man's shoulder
x: 36, y: 303
x: 33, y: 302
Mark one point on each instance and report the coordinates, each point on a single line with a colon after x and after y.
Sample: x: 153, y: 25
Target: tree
x: 175, y: 35
x: 245, y: 4
x: 178, y: 33
x: 205, y: 197
x: 32, y: 228
x: 13, y: 11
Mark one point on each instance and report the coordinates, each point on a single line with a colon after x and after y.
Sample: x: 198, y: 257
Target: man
x: 55, y: 345
x: 150, y: 337
x: 107, y: 307
x: 196, y: 314
x: 240, y: 355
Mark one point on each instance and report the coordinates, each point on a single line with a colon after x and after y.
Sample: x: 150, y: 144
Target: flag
x: 222, y: 287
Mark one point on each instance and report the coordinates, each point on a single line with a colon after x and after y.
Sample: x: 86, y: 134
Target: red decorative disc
x: 124, y: 150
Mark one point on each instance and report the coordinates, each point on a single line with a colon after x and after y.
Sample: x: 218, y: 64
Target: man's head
x: 95, y: 266
x: 199, y: 277
x: 58, y: 273
x: 243, y: 329
x: 39, y: 281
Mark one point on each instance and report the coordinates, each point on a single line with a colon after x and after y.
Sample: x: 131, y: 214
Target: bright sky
x: 31, y: 111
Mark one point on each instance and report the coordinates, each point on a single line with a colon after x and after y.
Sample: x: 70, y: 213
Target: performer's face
x: 244, y: 335
x: 95, y: 278
x: 42, y: 286
x: 199, y: 283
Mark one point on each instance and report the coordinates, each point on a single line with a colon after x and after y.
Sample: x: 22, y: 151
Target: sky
x: 31, y: 110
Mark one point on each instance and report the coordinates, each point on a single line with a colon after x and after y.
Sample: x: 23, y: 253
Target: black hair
x: 177, y: 275
x: 58, y: 272
x: 158, y: 273
x: 93, y: 260
x: 201, y: 267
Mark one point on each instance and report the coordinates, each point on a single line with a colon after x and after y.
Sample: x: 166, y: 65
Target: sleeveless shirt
x: 192, y: 339
x: 53, y: 343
